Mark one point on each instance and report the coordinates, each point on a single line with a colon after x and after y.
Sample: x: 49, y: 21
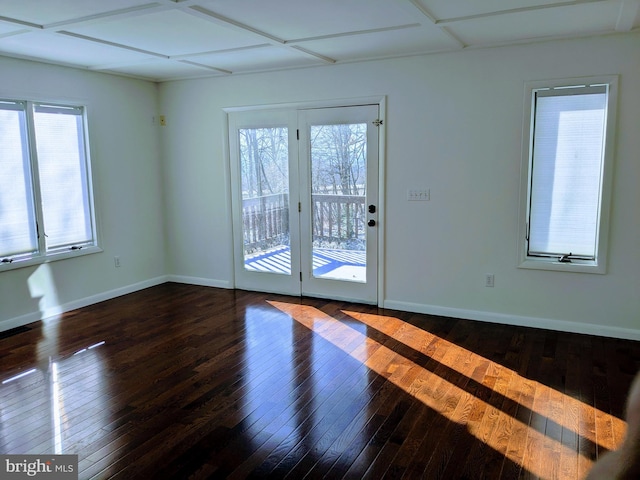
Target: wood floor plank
x: 334, y: 459
x: 444, y: 396
x: 483, y: 425
x: 348, y: 443
x: 181, y: 381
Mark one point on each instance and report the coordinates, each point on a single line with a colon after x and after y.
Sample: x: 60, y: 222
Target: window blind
x: 566, y: 176
x: 63, y: 176
x: 17, y: 226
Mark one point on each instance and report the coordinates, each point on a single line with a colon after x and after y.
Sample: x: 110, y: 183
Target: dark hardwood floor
x: 181, y: 381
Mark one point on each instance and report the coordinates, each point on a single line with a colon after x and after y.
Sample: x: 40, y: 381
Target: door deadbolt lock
x: 372, y: 209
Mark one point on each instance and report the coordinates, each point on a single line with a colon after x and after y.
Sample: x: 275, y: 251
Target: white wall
x: 453, y: 125
x: 127, y: 179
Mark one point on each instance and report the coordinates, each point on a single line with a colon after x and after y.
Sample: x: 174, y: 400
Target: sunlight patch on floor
x: 418, y: 339
x: 552, y: 408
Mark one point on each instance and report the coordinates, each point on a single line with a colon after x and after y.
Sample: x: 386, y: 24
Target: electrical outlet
x: 489, y: 280
x: 116, y: 261
x: 420, y: 195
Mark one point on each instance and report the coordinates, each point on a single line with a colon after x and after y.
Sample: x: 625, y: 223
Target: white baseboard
x: 75, y: 304
x: 516, y: 320
x: 483, y: 316
x: 203, y: 282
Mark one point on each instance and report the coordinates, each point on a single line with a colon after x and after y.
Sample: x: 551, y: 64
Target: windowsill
x: 576, y: 266
x: 51, y: 257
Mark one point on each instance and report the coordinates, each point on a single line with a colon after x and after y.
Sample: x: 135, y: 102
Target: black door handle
x: 371, y: 223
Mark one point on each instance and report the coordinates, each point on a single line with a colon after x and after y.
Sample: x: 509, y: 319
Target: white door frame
x: 231, y: 116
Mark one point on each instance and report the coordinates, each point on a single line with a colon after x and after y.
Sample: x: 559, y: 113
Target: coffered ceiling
x: 174, y: 39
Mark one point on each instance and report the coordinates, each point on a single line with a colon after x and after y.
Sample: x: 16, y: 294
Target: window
x: 46, y: 204
x: 568, y: 158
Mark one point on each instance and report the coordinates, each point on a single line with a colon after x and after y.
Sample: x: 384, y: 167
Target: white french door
x: 305, y: 201
x: 338, y: 165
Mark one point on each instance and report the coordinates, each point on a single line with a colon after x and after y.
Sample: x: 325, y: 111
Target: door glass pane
x: 338, y: 194
x: 264, y: 172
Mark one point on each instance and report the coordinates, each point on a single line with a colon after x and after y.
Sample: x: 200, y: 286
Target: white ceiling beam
x: 418, y: 6
x: 107, y: 16
x: 352, y: 33
x: 112, y: 44
x: 15, y: 21
x: 218, y: 52
x: 628, y: 15
x: 313, y: 54
x: 15, y: 32
x: 210, y: 15
x: 206, y: 67
x: 182, y: 3
x: 120, y: 65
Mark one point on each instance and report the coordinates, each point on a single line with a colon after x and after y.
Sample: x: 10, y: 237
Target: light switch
x: 419, y: 195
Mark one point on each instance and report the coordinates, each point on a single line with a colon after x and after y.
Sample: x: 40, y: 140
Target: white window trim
x: 42, y: 256
x: 50, y: 257
x: 599, y: 265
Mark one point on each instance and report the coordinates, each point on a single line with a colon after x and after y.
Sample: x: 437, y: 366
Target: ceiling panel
x: 445, y: 9
x: 411, y: 41
x: 65, y: 50
x: 168, y: 33
x: 566, y: 21
x: 288, y: 20
x: 46, y: 12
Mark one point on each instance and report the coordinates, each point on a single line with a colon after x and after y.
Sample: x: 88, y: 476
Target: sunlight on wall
x: 42, y: 287
x: 551, y: 411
